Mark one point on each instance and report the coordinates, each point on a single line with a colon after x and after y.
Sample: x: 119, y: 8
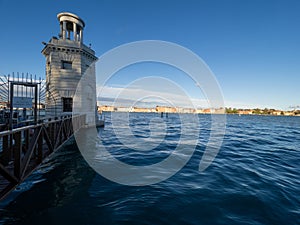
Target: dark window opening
x: 67, y: 104
x: 66, y: 65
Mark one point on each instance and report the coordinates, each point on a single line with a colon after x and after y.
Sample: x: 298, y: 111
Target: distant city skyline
x: 252, y: 47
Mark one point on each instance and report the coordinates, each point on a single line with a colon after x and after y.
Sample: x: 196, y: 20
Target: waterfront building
x: 67, y: 60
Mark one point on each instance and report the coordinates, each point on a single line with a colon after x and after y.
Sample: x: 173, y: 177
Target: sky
x: 252, y: 47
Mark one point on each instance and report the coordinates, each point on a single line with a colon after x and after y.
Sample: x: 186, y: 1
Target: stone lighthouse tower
x: 67, y: 60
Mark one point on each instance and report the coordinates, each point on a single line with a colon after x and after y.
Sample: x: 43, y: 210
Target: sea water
x: 255, y: 179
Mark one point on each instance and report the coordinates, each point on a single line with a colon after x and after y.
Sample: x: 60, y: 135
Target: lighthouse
x: 68, y: 60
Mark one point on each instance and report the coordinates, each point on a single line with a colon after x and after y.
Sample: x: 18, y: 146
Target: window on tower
x: 67, y: 104
x: 67, y: 65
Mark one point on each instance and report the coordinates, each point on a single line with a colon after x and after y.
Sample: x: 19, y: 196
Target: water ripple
x: 255, y: 179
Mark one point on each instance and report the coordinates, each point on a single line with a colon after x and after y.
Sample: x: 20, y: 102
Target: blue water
x: 255, y: 179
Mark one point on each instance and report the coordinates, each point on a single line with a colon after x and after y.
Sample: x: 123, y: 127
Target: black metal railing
x: 23, y: 149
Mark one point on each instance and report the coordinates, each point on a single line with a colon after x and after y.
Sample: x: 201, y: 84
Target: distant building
x: 188, y: 110
x: 146, y: 110
x: 219, y: 111
x: 105, y: 108
x: 199, y: 111
x: 207, y: 111
x: 123, y: 109
x: 166, y: 109
x: 245, y: 112
x: 277, y: 113
x: 288, y: 113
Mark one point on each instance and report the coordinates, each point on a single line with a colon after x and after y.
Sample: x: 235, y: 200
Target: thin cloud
x: 142, y: 97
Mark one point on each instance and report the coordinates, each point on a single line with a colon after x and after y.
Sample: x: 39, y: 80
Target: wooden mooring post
x: 23, y: 149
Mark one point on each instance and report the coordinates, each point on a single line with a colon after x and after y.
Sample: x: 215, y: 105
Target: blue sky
x: 252, y: 47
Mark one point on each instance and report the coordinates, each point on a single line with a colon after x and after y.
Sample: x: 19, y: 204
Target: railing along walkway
x: 24, y: 149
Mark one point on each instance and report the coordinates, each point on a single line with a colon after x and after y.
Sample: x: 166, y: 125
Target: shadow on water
x: 53, y: 192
